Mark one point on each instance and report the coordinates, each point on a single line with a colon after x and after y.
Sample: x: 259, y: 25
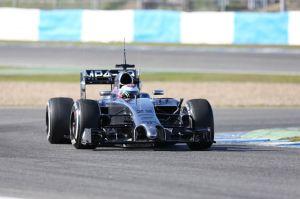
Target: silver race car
x: 125, y: 116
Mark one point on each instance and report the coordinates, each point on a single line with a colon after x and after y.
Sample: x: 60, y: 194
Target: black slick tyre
x: 58, y: 112
x: 202, y: 117
x: 85, y: 114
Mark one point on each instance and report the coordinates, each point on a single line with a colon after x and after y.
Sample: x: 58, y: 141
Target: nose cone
x: 151, y: 132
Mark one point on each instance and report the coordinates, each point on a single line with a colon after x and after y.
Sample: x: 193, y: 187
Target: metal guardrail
x: 183, y: 5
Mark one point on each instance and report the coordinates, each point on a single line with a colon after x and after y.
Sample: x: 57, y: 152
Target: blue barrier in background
x: 261, y: 28
x: 156, y: 26
x: 60, y: 25
x: 160, y: 26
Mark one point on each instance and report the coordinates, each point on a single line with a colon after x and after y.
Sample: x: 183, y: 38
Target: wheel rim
x: 48, y: 122
x: 74, y: 127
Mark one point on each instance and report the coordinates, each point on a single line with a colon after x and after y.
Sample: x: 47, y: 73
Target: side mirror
x: 105, y: 93
x: 158, y: 92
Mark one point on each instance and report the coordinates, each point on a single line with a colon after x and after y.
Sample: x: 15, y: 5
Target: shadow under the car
x: 241, y: 148
x: 185, y: 148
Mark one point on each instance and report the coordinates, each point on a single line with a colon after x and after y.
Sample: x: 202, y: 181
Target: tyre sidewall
x: 57, y: 119
x: 202, y: 117
x: 86, y: 114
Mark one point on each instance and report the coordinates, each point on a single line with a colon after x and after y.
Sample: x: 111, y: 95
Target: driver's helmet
x: 128, y: 91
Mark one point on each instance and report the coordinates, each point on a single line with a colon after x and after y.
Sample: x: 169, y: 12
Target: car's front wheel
x: 202, y: 117
x: 84, y: 115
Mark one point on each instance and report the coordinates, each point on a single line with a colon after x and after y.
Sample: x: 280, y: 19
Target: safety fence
x: 279, y: 28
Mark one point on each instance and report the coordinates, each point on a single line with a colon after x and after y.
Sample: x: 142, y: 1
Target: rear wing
x: 102, y: 77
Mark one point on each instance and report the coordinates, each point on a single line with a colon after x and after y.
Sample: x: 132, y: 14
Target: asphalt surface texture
x: 30, y: 167
x: 155, y: 58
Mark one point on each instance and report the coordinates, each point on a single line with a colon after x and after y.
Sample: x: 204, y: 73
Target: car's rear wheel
x: 202, y: 117
x: 57, y: 120
x: 85, y: 115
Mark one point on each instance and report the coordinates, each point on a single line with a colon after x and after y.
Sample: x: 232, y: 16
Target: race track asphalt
x: 30, y: 167
x: 154, y: 58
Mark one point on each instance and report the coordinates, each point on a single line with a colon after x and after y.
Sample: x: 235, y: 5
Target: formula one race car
x: 125, y: 116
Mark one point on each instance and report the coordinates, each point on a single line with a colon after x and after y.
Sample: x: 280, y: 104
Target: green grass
x: 220, y: 77
x: 294, y: 139
x: 6, y: 67
x: 165, y: 77
x: 40, y: 78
